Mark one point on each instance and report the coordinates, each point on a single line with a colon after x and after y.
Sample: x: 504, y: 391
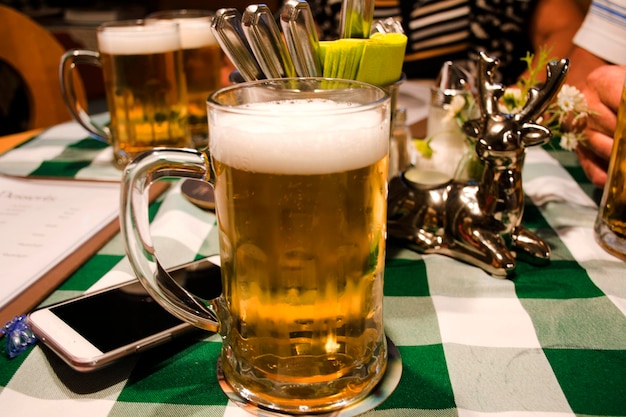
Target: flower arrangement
x: 565, y: 117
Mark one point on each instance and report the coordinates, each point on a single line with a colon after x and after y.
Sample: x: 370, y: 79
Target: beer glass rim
x: 181, y: 14
x: 139, y: 25
x: 381, y: 97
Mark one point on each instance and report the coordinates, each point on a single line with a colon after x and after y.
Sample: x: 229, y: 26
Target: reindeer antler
x: 489, y: 92
x: 539, y: 99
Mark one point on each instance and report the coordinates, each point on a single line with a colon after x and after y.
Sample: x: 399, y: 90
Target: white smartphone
x: 96, y: 329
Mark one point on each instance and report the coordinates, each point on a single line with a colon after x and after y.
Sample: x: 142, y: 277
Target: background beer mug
x: 610, y: 226
x: 202, y: 64
x: 299, y: 168
x: 144, y: 85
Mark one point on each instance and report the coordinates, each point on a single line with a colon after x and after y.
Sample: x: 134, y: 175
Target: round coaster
x: 199, y: 193
x: 380, y: 393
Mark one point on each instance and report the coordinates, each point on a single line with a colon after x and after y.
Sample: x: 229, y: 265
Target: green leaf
x: 423, y: 147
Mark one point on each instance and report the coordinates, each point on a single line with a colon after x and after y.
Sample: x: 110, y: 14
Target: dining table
x: 547, y: 341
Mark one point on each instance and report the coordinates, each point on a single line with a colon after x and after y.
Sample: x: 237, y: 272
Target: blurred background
x: 73, y: 23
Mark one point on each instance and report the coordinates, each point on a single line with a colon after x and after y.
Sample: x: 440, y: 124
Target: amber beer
x: 202, y: 67
x: 610, y: 227
x: 145, y: 88
x: 202, y: 63
x: 302, y: 232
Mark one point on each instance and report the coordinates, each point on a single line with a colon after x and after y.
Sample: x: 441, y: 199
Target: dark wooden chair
x: 30, y: 90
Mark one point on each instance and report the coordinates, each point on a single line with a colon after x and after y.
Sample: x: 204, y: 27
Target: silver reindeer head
x: 498, y: 133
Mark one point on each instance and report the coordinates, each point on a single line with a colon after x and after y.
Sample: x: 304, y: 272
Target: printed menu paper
x: 42, y: 222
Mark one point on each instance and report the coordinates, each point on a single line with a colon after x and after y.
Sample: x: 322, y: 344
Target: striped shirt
x: 603, y: 32
x: 456, y: 30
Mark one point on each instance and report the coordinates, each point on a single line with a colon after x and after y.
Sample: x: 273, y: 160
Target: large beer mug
x: 202, y: 64
x: 299, y: 170
x: 610, y: 226
x: 144, y: 86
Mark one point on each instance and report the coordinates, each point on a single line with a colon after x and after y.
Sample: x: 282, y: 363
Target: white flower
x: 511, y: 101
x: 569, y: 141
x: 570, y: 99
x: 456, y: 106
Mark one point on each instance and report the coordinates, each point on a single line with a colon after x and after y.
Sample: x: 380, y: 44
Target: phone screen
x: 117, y: 317
x: 123, y: 315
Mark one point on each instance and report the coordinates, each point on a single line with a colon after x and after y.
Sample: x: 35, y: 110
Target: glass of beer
x: 144, y: 85
x: 299, y: 170
x: 202, y: 63
x: 610, y: 226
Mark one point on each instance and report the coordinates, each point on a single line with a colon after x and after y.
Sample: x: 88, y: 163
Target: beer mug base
x: 122, y: 159
x: 609, y: 240
x: 386, y: 385
x: 124, y: 153
x: 329, y: 387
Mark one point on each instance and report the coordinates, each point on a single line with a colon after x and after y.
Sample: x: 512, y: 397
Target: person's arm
x: 582, y: 63
x: 600, y: 40
x: 554, y: 24
x: 603, y: 91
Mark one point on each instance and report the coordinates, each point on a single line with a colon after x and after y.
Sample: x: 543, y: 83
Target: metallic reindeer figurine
x: 480, y: 223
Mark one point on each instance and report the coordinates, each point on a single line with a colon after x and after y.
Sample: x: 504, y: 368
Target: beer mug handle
x: 69, y: 60
x: 135, y: 228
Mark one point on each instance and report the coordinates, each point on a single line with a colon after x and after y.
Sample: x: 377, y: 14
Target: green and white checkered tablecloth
x: 551, y: 341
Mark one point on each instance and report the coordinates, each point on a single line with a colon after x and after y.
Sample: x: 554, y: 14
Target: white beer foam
x: 138, y: 40
x: 195, y: 32
x: 313, y: 137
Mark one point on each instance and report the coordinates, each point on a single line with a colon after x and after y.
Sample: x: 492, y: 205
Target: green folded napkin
x: 376, y: 60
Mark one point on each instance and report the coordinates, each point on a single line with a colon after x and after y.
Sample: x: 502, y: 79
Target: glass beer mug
x: 299, y: 170
x: 144, y: 85
x: 202, y: 64
x: 610, y: 225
